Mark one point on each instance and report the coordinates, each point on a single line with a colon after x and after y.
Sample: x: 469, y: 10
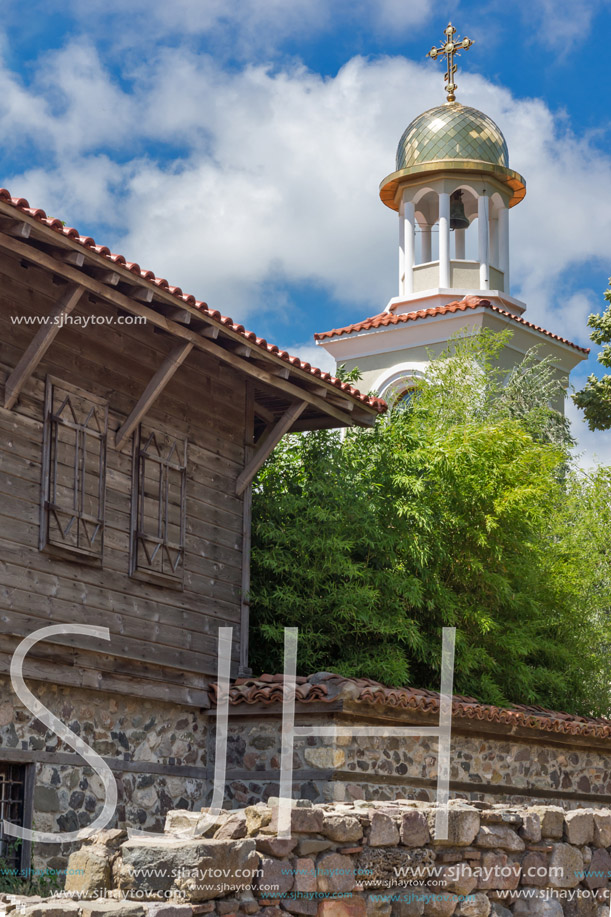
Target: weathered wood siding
x: 163, y: 639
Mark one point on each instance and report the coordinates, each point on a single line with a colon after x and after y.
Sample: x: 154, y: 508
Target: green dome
x: 452, y: 131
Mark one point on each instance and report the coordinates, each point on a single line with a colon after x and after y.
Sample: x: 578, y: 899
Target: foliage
x: 469, y: 383
x: 440, y: 515
x: 595, y: 396
x: 581, y: 563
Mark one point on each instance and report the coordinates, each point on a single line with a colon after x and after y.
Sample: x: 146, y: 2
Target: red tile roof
x: 21, y: 204
x: 325, y: 687
x: 469, y: 302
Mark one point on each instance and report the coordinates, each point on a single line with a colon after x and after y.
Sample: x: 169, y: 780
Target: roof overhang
x: 388, y: 332
x: 391, y: 185
x: 279, y: 379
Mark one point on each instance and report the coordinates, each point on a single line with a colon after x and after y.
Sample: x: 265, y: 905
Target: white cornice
x: 438, y: 329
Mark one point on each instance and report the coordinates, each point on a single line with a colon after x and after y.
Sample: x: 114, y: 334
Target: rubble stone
x: 552, y: 820
x: 414, y: 830
x: 499, y: 837
x: 477, y: 905
x: 568, y: 861
x: 602, y: 827
x: 89, y: 869
x: 598, y: 869
x: 335, y: 873
x: 579, y: 827
x: 383, y: 832
x: 342, y: 828
x: 463, y: 827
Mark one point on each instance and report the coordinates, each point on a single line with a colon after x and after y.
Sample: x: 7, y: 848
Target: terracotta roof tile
x: 325, y: 687
x: 20, y: 203
x: 470, y: 302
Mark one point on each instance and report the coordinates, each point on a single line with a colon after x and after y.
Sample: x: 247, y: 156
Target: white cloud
x: 571, y: 313
x: 314, y: 355
x: 562, y: 23
x: 246, y: 29
x: 272, y: 175
x: 594, y: 446
x: 278, y: 169
x: 564, y: 222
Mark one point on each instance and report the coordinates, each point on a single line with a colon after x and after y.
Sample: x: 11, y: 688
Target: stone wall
x: 358, y: 860
x: 157, y: 752
x: 163, y: 756
x: 490, y: 762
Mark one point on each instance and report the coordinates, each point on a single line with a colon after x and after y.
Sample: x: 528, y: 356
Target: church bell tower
x: 453, y: 191
x: 453, y: 180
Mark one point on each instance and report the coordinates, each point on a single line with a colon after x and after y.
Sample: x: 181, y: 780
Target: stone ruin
x: 363, y: 859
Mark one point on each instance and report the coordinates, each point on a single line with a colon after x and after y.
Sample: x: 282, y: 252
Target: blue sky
x: 236, y: 148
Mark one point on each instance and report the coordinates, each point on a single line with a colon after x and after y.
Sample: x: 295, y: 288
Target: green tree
x: 439, y: 515
x: 580, y: 564
x: 595, y: 397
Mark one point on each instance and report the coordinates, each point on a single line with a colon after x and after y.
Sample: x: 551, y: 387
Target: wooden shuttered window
x: 74, y: 471
x: 158, y: 506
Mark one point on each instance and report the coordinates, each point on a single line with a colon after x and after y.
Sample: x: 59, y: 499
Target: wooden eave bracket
x: 346, y: 404
x: 174, y: 313
x: 70, y: 257
x: 281, y: 372
x: 141, y: 294
x: 267, y: 444
x: 111, y: 278
x: 263, y: 412
x: 40, y: 343
x: 172, y: 362
x: 365, y: 417
x: 17, y: 228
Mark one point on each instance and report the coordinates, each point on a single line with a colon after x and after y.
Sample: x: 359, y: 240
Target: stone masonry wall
x: 157, y: 751
x: 358, y: 860
x: 162, y: 756
x: 485, y: 766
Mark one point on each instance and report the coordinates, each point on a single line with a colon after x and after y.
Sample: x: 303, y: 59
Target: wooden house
x: 133, y: 419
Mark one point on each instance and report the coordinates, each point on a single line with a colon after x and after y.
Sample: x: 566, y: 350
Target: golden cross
x: 449, y: 47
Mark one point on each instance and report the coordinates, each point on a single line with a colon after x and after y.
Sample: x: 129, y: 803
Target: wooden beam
x: 320, y: 390
x: 282, y: 372
x: 267, y: 444
x: 264, y: 413
x: 349, y: 406
x: 274, y: 376
x: 174, y: 313
x: 57, y: 758
x: 70, y: 257
x: 17, y: 228
x: 249, y: 432
x: 40, y: 343
x: 109, y: 277
x: 210, y: 332
x: 172, y: 362
x: 142, y: 294
x: 242, y: 350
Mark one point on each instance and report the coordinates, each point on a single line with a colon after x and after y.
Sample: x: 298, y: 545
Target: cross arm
x: 40, y: 343
x: 158, y: 382
x: 267, y: 444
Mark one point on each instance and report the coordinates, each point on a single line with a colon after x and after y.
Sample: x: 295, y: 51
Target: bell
x: 458, y: 220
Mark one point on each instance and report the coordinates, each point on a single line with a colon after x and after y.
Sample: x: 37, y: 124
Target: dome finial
x: 449, y: 48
